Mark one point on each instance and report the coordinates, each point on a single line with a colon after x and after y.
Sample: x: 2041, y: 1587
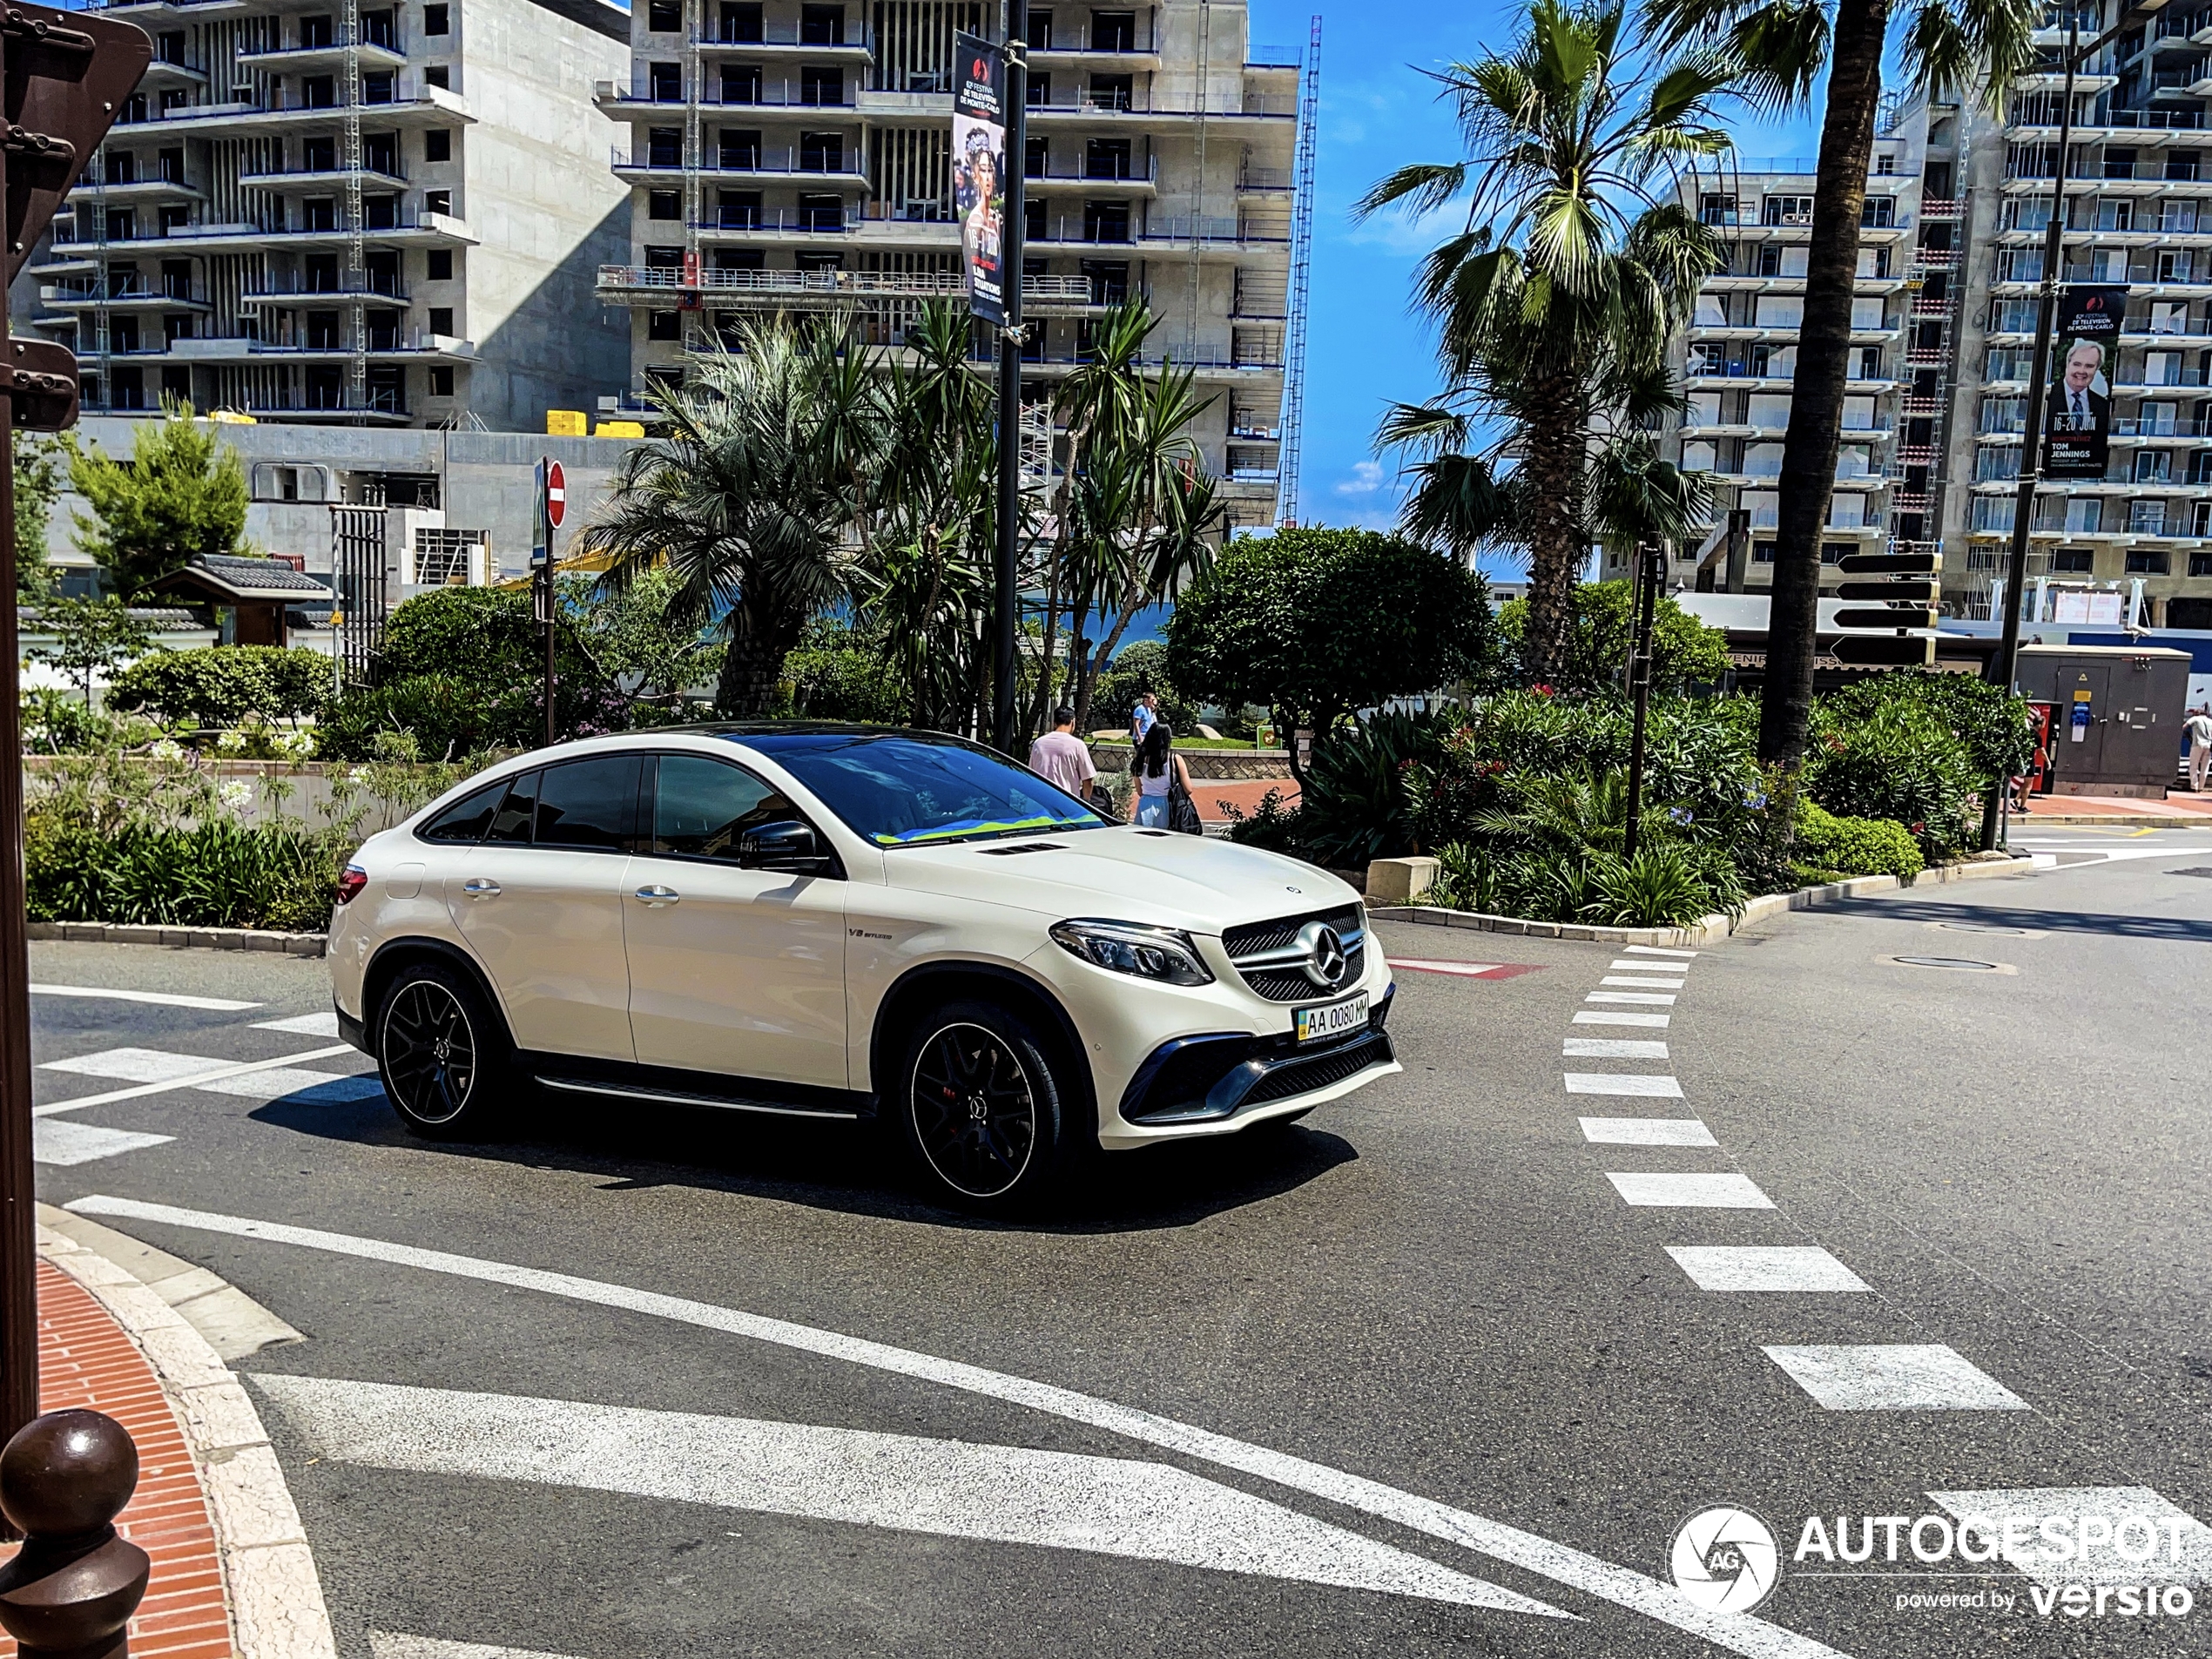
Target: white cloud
x: 1366, y: 478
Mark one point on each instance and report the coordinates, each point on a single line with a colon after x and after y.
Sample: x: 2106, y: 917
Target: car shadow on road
x: 845, y: 1167
x: 2173, y: 929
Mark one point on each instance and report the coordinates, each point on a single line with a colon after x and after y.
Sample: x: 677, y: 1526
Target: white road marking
x: 1642, y: 983
x: 66, y: 1144
x: 1612, y: 1049
x: 324, y: 1024
x: 1586, y: 1017
x: 1655, y: 950
x: 387, y: 1644
x: 1895, y: 1377
x: 1737, y: 1633
x: 327, y: 1087
x: 1763, y: 1267
x: 198, y: 1080
x: 2183, y: 1554
x: 1467, y: 970
x: 1690, y: 1192
x: 1651, y: 999
x: 1630, y: 965
x: 135, y: 1065
x: 1648, y: 1085
x: 166, y: 999
x: 1647, y: 1131
x: 1011, y: 1494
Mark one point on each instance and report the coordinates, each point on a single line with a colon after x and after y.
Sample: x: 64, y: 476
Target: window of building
x: 740, y: 258
x: 2146, y: 518
x: 437, y: 144
x: 1786, y: 210
x: 1763, y: 552
x: 664, y: 146
x: 664, y: 204
x: 737, y: 210
x: 1040, y: 91
x: 437, y: 201
x: 665, y: 83
x: 741, y: 83
x: 130, y: 389
x: 666, y: 17
x: 664, y: 259
x: 741, y: 21
x: 318, y: 91
x: 315, y: 32
x: 821, y: 152
x: 2200, y: 564
x: 821, y: 84
x: 821, y: 212
x: 1039, y: 28
x: 741, y: 149
x: 436, y: 20
x: 1113, y: 31
x: 1113, y: 91
x: 440, y: 264
x: 379, y: 212
x: 1716, y: 210
x: 821, y: 26
x: 437, y: 75
x: 388, y: 388
x: 441, y: 320
x: 383, y: 330
x: 665, y: 325
x: 318, y: 213
x: 380, y: 152
x: 1106, y: 221
x: 1107, y: 159
x: 1835, y: 552
x: 2074, y: 560
x: 122, y: 333
x: 442, y: 380
x: 2147, y: 561
x: 377, y: 28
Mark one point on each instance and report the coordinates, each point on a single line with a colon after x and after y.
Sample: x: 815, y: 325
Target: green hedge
x: 215, y: 874
x: 1854, y: 845
x: 227, y: 685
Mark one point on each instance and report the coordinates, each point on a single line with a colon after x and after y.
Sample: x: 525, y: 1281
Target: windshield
x: 902, y: 790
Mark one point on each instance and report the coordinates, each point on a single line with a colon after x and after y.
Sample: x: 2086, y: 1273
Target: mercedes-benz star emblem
x: 1325, y: 962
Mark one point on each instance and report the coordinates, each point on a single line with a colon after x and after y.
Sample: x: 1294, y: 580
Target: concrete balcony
x: 410, y: 106
x: 315, y: 60
x: 773, y: 45
x: 1141, y: 178
x: 819, y: 290
x: 791, y: 166
x: 320, y: 180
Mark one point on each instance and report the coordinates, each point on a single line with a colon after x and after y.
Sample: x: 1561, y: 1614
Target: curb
x: 271, y: 1588
x: 122, y: 932
x: 2112, y: 820
x: 1713, y: 928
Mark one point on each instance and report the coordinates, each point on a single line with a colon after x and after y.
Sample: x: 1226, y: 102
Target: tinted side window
x: 702, y: 808
x: 588, y: 804
x: 467, y: 819
x: 512, y: 821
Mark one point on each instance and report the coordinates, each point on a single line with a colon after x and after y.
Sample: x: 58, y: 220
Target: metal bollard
x: 70, y: 1590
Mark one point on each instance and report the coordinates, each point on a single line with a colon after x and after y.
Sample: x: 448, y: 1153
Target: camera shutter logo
x: 1725, y: 1560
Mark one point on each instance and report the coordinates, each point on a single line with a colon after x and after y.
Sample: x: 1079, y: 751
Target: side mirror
x: 788, y: 846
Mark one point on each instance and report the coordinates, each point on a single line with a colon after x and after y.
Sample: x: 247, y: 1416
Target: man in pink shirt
x: 1062, y: 757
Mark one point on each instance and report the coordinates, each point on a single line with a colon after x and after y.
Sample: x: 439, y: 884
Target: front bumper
x: 1215, y: 1081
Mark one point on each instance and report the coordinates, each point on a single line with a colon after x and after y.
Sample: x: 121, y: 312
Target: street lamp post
x: 1005, y: 597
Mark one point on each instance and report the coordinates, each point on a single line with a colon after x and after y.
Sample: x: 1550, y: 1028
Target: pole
x: 544, y: 583
x: 1006, y: 597
x: 2003, y: 668
x: 1651, y: 571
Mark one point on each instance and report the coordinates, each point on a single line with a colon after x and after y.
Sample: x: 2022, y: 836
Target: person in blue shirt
x: 1142, y: 717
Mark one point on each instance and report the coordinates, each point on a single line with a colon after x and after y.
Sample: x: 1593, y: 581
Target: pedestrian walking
x: 1159, y: 769
x: 1060, y: 756
x: 1141, y: 717
x: 2199, y: 726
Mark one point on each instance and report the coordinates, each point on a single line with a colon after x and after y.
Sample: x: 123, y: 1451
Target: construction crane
x: 1308, y: 111
x: 357, y: 283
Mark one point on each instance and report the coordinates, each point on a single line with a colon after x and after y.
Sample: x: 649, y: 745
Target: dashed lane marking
x: 1895, y: 1377
x: 162, y: 1086
x: 1648, y: 1085
x: 1657, y: 950
x: 63, y: 1144
x: 164, y: 999
x: 1642, y: 983
x: 1690, y: 1192
x: 2182, y: 1553
x: 388, y: 1644
x: 1734, y: 1632
x: 1644, y: 964
x: 1466, y: 970
x: 324, y: 1024
x: 319, y: 1088
x: 1649, y: 999
x: 1764, y: 1267
x: 1588, y: 1017
x: 1647, y: 1131
x: 1612, y: 1049
x: 1011, y: 1494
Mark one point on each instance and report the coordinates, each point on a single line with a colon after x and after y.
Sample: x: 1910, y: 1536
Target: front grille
x: 1304, y: 1075
x: 1278, y: 983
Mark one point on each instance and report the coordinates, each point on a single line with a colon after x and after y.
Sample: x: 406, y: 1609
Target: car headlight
x: 1160, y: 953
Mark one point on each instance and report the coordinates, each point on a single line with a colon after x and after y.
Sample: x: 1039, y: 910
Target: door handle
x: 480, y: 887
x: 657, y: 897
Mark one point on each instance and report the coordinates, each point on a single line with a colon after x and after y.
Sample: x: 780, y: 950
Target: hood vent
x: 1026, y: 846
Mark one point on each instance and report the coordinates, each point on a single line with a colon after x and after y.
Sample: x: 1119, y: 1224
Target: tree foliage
x: 1315, y: 623
x: 227, y: 686
x: 1594, y: 654
x: 92, y: 638
x: 181, y: 495
x: 38, y: 487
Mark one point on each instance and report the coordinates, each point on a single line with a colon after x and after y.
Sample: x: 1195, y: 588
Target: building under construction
x: 347, y: 210
x: 783, y: 156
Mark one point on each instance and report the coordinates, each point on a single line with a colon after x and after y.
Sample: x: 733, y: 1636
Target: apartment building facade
x: 1951, y: 266
x: 795, y: 157
x: 347, y: 211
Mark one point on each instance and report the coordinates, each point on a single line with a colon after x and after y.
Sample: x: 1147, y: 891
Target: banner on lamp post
x: 979, y: 172
x: 2077, y: 413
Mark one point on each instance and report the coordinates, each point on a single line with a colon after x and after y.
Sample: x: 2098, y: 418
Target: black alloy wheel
x: 440, y: 1052
x: 975, y: 1110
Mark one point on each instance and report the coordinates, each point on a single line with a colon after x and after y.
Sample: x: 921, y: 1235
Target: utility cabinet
x: 2116, y: 715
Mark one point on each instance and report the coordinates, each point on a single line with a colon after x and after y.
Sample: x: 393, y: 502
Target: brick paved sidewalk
x: 84, y: 1358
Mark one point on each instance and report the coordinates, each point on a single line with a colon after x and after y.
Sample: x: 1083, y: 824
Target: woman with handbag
x: 1159, y: 770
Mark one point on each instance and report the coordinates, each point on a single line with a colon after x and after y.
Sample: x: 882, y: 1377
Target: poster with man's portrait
x: 2077, y: 413
x: 979, y: 172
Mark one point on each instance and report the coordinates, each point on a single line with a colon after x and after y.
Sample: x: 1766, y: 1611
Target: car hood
x: 1186, y: 881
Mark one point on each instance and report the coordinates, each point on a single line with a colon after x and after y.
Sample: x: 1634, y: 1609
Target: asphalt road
x: 1413, y: 1378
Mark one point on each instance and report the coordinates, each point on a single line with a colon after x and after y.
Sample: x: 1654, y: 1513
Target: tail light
x: 351, y: 882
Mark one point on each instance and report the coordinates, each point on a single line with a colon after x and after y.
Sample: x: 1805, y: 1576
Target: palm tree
x: 1779, y: 49
x: 1556, y: 297
x: 753, y: 500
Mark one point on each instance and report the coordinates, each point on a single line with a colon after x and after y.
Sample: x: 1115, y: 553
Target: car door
x: 735, y: 970
x: 539, y: 901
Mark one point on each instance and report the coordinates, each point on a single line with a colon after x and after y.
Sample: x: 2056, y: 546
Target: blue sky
x: 1377, y: 113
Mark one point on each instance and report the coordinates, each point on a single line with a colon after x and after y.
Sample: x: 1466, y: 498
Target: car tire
x: 984, y: 1106
x: 443, y: 1054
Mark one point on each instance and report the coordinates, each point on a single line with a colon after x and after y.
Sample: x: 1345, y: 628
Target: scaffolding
x: 1309, y: 110
x: 1199, y: 174
x: 356, y: 282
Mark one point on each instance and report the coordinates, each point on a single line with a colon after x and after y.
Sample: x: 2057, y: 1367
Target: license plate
x: 1316, y: 1025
